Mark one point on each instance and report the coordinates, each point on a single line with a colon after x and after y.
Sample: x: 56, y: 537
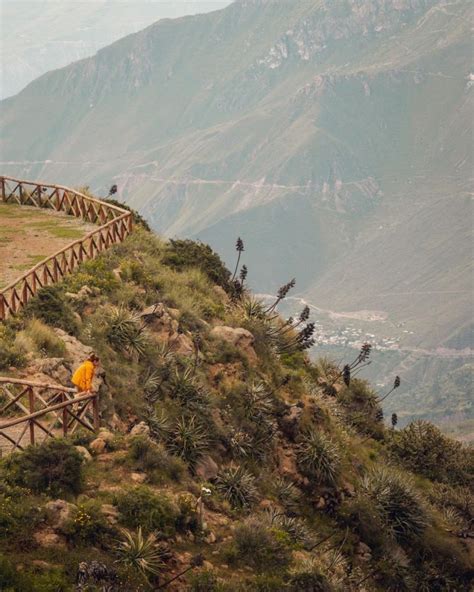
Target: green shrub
x: 362, y: 516
x: 87, y: 526
x: 141, y: 507
x: 308, y: 581
x: 153, y: 459
x: 54, y: 467
x: 43, y: 339
x: 261, y: 547
x: 421, y: 447
x: 318, y: 458
x: 10, y: 353
x: 184, y: 254
x: 205, y: 581
x: 19, y: 516
x: 396, y: 502
x: 51, y: 306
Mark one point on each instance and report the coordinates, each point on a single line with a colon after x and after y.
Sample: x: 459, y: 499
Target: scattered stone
x: 210, y: 538
x: 207, y: 468
x: 239, y: 337
x: 138, y: 477
x: 48, y: 538
x: 84, y: 452
x: 97, y: 446
x: 182, y: 345
x: 105, y: 435
x: 59, y: 512
x: 140, y: 429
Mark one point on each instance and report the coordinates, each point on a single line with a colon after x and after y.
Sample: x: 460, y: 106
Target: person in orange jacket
x: 84, y: 375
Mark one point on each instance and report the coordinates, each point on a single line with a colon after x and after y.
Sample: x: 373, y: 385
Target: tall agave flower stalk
x: 396, y: 384
x: 281, y: 294
x: 239, y: 247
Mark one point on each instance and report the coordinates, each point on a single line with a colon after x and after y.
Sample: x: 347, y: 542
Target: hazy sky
x: 41, y: 35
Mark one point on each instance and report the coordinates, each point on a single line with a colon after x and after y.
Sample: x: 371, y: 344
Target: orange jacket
x: 84, y: 375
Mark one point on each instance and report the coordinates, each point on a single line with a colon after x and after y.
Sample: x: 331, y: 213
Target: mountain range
x: 41, y: 35
x: 333, y: 136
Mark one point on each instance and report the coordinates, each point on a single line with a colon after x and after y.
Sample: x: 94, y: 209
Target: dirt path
x: 28, y: 235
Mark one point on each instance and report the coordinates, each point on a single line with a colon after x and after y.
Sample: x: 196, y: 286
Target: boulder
x: 160, y: 321
x: 76, y: 350
x: 138, y: 477
x: 59, y: 512
x: 238, y: 337
x: 48, y: 538
x: 105, y: 435
x: 206, y: 468
x: 182, y: 344
x: 49, y: 370
x: 98, y: 446
x: 84, y: 452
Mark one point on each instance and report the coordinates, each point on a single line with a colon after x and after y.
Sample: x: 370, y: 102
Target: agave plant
x: 188, y: 439
x: 258, y: 402
x: 318, y: 457
x: 397, y: 502
x: 126, y: 331
x: 287, y: 493
x: 295, y: 528
x: 140, y: 553
x: 159, y: 424
x: 237, y: 486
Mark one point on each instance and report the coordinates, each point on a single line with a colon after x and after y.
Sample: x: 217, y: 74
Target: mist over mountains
x: 333, y: 136
x: 42, y: 35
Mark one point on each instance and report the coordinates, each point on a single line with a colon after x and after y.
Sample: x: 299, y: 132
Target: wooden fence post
x: 65, y: 416
x: 31, y: 399
x: 95, y: 411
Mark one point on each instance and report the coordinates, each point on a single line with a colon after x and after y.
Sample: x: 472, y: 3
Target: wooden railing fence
x: 44, y: 410
x: 115, y: 225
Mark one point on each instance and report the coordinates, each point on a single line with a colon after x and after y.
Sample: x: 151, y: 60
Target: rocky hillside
x: 336, y: 133
x: 227, y: 460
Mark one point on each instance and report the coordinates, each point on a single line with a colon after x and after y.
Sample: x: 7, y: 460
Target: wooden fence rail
x: 47, y: 409
x: 115, y: 225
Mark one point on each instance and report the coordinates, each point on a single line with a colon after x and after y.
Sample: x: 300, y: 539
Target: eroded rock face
x: 238, y: 337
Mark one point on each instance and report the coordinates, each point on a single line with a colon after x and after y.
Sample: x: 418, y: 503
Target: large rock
x: 238, y: 337
x: 49, y: 370
x: 160, y: 321
x: 141, y: 429
x: 76, y: 350
x: 48, y: 538
x: 110, y: 512
x: 86, y: 455
x: 182, y: 344
x: 59, y: 512
x: 206, y: 468
x: 98, y: 446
